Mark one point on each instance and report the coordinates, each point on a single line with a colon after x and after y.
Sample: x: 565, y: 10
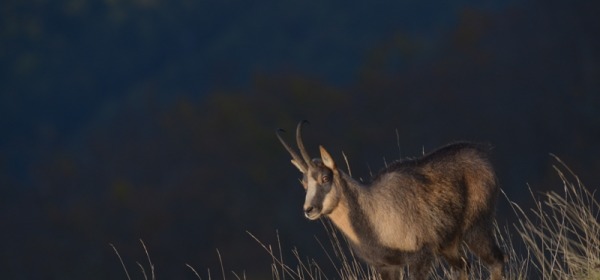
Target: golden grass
x: 562, y: 233
x: 560, y: 236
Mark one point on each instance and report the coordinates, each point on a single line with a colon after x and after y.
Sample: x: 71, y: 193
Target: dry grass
x: 560, y: 237
x: 562, y: 233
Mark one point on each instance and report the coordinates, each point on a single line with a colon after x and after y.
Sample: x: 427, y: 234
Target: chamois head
x: 320, y: 177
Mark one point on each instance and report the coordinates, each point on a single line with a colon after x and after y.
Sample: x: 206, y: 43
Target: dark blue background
x: 155, y: 119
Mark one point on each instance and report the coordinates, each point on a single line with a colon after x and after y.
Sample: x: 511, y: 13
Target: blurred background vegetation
x: 127, y: 119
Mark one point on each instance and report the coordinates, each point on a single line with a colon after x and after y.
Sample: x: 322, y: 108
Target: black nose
x: 308, y: 210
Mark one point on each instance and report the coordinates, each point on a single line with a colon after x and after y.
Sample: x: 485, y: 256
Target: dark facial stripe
x: 317, y: 200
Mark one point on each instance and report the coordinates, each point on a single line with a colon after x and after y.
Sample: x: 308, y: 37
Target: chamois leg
x: 390, y: 273
x: 456, y: 260
x: 481, y: 242
x: 421, y: 267
x: 491, y: 255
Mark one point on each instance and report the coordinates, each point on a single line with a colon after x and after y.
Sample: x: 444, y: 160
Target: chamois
x: 413, y: 211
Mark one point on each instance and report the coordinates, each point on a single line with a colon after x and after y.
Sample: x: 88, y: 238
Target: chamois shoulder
x: 443, y: 154
x: 456, y: 148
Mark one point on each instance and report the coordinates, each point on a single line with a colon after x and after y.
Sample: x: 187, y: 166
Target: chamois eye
x: 325, y: 178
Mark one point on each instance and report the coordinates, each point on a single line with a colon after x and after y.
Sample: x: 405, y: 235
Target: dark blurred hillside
x: 156, y: 120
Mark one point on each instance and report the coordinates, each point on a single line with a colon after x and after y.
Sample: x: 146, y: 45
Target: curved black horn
x: 303, y: 151
x: 294, y: 155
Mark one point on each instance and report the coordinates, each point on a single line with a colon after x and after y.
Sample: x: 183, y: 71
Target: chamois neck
x: 348, y: 189
x: 340, y: 217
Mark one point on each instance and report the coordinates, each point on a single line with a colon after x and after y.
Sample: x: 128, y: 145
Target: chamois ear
x: 299, y: 166
x: 327, y: 159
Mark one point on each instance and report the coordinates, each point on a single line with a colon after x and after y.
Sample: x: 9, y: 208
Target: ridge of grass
x: 560, y: 236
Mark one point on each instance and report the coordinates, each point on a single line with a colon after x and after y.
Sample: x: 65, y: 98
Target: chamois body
x: 421, y: 207
x: 412, y: 211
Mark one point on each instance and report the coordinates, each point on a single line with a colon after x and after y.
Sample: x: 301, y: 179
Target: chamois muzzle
x: 312, y: 213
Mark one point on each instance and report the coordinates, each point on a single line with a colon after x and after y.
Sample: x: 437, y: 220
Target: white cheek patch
x: 311, y: 191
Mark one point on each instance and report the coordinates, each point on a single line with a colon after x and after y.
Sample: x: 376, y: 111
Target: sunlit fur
x: 414, y: 210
